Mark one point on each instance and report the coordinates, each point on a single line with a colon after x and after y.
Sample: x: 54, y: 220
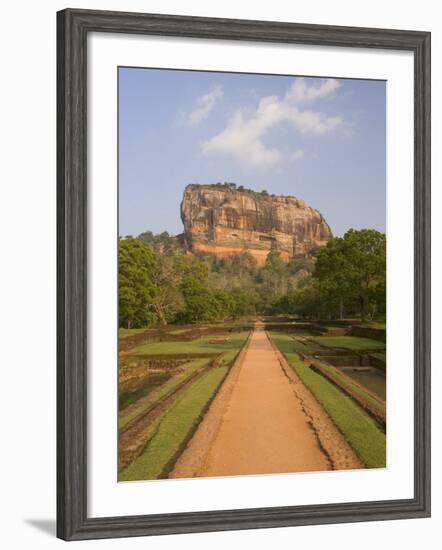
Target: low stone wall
x: 377, y: 362
x: 343, y: 360
x: 335, y: 331
x: 369, y: 332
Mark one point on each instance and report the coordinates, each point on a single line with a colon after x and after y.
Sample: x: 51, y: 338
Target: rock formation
x: 224, y: 221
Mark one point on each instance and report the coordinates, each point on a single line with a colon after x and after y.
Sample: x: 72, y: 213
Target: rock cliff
x: 224, y: 221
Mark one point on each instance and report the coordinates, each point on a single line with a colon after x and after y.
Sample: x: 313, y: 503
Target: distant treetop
x: 231, y: 186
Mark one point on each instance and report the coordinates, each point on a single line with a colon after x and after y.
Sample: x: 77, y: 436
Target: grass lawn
x: 287, y: 344
x: 348, y: 342
x: 171, y: 429
x: 375, y: 324
x: 233, y: 343
x: 367, y: 440
x: 158, y: 393
x: 125, y: 332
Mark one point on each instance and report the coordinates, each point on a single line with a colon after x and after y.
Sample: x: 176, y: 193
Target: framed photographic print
x: 243, y: 274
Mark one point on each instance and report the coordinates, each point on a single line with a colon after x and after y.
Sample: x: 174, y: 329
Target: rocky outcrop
x: 223, y: 221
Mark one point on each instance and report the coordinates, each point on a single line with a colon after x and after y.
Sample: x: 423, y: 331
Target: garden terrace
x: 170, y: 333
x: 349, y: 342
x: 137, y: 422
x: 344, y: 375
x: 371, y: 402
x: 165, y: 387
x: 348, y: 362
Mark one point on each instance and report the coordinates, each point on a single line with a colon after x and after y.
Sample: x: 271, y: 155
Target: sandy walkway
x: 263, y: 429
x: 264, y: 420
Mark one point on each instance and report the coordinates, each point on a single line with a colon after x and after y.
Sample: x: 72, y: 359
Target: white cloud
x: 243, y: 136
x: 296, y: 155
x: 203, y: 106
x: 301, y: 92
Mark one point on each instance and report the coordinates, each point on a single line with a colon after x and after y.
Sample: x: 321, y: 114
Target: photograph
x: 217, y: 247
x: 251, y: 274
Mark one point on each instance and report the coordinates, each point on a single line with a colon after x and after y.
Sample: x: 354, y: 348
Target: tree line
x: 159, y: 283
x: 231, y: 186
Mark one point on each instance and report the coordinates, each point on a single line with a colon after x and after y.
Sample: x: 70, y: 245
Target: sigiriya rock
x: 225, y: 221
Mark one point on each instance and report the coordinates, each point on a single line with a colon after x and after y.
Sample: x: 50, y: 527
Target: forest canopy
x: 159, y: 283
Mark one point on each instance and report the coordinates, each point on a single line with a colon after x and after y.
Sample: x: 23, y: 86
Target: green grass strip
x: 161, y: 391
x: 377, y: 404
x: 361, y: 432
x: 233, y: 343
x: 374, y: 324
x: 348, y: 342
x: 125, y: 332
x: 173, y: 427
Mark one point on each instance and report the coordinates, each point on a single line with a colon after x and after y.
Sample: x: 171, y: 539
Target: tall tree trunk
x: 160, y: 315
x: 341, y: 309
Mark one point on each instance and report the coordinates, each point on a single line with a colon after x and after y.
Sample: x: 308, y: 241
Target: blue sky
x: 322, y: 140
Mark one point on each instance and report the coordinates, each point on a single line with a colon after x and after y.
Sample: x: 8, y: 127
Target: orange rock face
x: 226, y: 222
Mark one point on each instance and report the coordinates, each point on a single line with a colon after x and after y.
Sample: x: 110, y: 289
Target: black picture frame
x: 73, y: 27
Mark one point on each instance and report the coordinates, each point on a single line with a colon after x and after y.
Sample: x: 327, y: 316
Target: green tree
x: 244, y: 301
x: 136, y: 289
x: 163, y: 243
x: 200, y: 303
x: 274, y: 273
x: 366, y: 253
x: 167, y: 300
x: 300, y: 264
x: 303, y: 302
x: 332, y: 276
x: 353, y: 268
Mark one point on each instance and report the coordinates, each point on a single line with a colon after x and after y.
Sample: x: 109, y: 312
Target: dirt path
x: 264, y: 430
x: 261, y: 425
